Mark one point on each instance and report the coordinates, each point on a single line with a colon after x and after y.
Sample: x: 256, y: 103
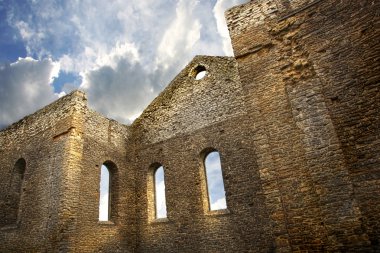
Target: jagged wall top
x: 260, y: 11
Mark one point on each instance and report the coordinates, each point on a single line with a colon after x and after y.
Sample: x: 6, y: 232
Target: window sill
x: 106, y: 223
x: 220, y: 212
x: 160, y: 220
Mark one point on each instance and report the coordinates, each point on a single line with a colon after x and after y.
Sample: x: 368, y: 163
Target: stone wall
x: 64, y: 146
x: 188, y: 104
x: 104, y: 141
x: 294, y: 116
x: 211, y: 113
x: 43, y: 140
x: 318, y: 102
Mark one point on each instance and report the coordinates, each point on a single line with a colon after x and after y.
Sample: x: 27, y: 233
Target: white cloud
x: 24, y: 29
x: 62, y: 94
x: 161, y: 200
x: 220, y: 7
x: 103, y: 207
x: 25, y: 86
x: 121, y: 92
x: 124, y: 52
x: 181, y: 35
x: 219, y: 204
x: 33, y: 35
x: 121, y: 52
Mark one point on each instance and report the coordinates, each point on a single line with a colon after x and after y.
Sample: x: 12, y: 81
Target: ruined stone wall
x: 190, y: 226
x: 43, y: 140
x: 349, y: 71
x: 295, y: 118
x: 64, y: 146
x: 318, y: 106
x: 104, y: 141
x: 212, y: 113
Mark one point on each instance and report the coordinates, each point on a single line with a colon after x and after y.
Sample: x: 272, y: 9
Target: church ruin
x: 295, y: 117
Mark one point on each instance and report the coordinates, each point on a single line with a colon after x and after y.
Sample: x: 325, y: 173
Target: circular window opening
x: 199, y: 72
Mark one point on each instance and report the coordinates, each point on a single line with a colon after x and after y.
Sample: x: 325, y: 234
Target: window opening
x: 105, y: 196
x: 159, y: 193
x: 199, y: 72
x: 215, y: 185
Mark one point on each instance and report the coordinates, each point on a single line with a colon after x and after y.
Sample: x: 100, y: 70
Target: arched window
x: 104, y: 200
x: 159, y: 193
x: 15, y: 192
x: 108, y: 192
x: 214, y: 178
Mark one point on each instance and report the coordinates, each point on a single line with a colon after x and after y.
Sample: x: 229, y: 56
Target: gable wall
x: 188, y: 104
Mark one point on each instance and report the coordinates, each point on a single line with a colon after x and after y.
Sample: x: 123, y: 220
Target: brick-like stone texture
x: 64, y: 146
x: 320, y: 111
x: 43, y: 140
x: 198, y: 106
x: 294, y: 115
x: 188, y: 104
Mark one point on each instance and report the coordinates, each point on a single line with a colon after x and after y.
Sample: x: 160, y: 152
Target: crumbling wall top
x: 254, y: 13
x: 43, y: 119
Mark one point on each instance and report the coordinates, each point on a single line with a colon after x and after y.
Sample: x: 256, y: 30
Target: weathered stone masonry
x: 295, y: 116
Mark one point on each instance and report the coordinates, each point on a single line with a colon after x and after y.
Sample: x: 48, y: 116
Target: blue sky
x: 215, y: 184
x: 121, y: 53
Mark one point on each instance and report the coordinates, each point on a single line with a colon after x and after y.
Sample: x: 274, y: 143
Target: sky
x: 121, y: 53
x: 104, y: 197
x: 215, y: 185
x: 159, y: 193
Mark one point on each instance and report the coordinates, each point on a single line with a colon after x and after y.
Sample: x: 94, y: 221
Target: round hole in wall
x: 199, y: 72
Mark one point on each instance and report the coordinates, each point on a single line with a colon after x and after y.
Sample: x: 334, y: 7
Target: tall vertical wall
x: 310, y: 70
